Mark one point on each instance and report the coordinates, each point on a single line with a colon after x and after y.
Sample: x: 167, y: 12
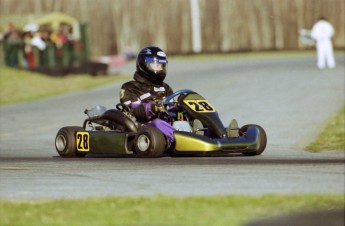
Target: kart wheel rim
x: 60, y: 143
x: 143, y: 143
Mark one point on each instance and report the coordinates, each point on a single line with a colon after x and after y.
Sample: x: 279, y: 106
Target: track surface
x: 286, y: 95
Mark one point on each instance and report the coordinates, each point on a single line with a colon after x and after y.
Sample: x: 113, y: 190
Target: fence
x: 226, y: 25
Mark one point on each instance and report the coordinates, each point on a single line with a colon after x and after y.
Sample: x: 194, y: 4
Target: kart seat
x: 121, y: 119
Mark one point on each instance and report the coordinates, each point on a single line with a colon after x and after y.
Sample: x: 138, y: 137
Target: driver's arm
x: 143, y: 111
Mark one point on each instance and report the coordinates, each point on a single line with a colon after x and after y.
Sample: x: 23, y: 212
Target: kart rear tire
x: 262, y: 139
x: 65, y: 142
x: 149, y: 143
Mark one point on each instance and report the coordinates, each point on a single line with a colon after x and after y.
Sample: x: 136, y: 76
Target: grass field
x: 162, y: 210
x: 333, y: 136
x: 20, y: 85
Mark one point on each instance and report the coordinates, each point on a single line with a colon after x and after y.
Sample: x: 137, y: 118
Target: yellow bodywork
x: 190, y: 143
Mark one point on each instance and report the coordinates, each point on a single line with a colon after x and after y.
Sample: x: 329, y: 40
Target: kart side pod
x: 189, y: 142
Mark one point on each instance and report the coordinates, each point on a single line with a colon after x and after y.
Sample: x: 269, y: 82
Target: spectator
x: 28, y: 51
x: 29, y: 55
x: 38, y: 42
x: 60, y: 40
x: 12, y: 45
x: 322, y: 33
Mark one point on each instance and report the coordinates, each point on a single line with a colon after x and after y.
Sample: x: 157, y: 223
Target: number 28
x: 200, y: 106
x: 82, y: 139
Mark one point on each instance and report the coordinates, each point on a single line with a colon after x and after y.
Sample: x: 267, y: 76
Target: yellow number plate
x: 201, y: 106
x: 83, y: 141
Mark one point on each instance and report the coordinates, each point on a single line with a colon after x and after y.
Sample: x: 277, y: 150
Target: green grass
x: 333, y: 136
x: 20, y: 85
x: 162, y: 210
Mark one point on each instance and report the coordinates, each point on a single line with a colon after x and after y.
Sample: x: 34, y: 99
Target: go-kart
x: 198, y: 130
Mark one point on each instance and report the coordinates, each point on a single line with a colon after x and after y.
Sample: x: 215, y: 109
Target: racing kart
x: 198, y: 130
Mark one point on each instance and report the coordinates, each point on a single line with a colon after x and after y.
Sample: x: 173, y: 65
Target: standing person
x: 12, y: 45
x: 322, y: 33
x: 147, y: 87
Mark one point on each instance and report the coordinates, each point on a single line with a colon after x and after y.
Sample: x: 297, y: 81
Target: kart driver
x: 147, y: 87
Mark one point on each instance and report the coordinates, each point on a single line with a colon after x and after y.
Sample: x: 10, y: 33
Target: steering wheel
x: 177, y: 93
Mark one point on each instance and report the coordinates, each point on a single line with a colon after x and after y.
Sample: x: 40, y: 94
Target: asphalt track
x: 286, y: 95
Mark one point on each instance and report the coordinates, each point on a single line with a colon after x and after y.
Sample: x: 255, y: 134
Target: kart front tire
x: 262, y: 139
x: 149, y: 143
x: 65, y: 142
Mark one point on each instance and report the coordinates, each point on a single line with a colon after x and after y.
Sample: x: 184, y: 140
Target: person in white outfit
x: 322, y: 33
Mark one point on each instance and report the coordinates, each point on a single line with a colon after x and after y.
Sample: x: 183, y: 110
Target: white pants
x: 325, y: 54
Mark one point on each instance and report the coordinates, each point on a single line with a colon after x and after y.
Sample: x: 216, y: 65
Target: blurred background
x: 123, y: 27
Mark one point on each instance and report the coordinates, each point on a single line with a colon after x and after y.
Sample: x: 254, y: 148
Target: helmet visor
x: 155, y: 65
